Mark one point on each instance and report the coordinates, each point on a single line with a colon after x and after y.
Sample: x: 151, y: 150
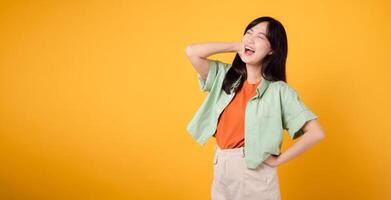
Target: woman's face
x: 255, y: 39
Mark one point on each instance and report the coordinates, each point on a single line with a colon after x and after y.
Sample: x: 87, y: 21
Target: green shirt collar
x: 261, y: 88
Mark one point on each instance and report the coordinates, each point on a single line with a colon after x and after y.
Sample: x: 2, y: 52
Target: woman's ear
x: 270, y: 52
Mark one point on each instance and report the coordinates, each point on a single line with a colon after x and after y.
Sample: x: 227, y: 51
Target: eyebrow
x: 258, y: 33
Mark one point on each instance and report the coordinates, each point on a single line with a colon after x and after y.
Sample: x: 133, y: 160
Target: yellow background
x: 95, y: 96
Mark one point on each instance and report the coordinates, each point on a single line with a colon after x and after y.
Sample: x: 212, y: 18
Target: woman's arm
x: 198, y: 53
x: 313, y: 134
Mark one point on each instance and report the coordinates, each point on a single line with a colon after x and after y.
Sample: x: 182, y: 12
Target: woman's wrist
x: 237, y: 46
x: 207, y: 49
x: 231, y: 46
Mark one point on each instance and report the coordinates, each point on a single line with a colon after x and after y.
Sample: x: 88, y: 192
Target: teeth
x: 249, y: 48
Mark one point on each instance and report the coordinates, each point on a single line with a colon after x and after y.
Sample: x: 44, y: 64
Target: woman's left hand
x: 272, y: 161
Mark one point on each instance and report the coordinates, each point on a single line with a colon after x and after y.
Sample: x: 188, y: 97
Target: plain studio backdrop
x: 95, y: 96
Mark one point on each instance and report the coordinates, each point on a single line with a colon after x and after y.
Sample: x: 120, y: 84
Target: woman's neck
x: 253, y: 73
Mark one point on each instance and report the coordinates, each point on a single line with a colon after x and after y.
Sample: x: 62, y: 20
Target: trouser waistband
x: 230, y: 152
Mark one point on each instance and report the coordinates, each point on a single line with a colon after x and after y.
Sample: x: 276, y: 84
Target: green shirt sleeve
x: 295, y: 112
x: 215, y: 67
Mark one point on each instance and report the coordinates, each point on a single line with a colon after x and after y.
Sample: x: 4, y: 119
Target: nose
x: 249, y: 40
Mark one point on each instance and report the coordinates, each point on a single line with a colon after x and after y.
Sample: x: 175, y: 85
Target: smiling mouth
x: 248, y: 52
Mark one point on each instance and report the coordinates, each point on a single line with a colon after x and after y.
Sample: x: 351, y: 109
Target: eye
x: 261, y: 37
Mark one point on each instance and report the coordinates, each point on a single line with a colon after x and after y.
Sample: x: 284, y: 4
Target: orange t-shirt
x: 230, y: 126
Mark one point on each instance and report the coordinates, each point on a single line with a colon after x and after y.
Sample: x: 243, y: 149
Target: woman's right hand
x: 240, y: 48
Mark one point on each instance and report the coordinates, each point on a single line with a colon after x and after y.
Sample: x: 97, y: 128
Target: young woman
x: 248, y: 106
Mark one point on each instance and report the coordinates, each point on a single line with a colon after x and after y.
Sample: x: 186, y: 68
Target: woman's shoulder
x: 277, y: 85
x: 281, y: 88
x: 280, y: 85
x: 221, y: 64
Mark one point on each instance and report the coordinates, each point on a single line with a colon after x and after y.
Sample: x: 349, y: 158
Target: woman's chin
x: 250, y: 61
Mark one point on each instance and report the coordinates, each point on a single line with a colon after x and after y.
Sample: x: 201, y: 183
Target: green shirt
x: 275, y: 107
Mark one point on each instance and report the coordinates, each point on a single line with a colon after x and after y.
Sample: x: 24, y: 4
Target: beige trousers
x: 232, y: 180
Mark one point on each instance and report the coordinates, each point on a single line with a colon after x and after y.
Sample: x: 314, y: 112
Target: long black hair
x: 273, y: 65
